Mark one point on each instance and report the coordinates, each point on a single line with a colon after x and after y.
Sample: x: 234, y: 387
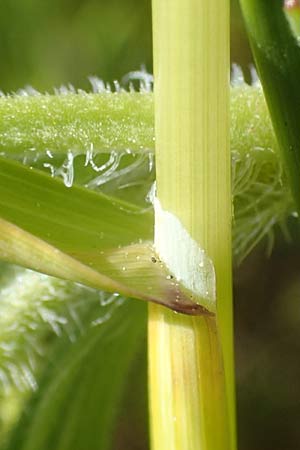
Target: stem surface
x: 191, y: 400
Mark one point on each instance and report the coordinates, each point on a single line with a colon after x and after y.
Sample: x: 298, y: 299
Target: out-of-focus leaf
x: 277, y: 55
x: 35, y: 312
x: 75, y: 405
x: 292, y: 9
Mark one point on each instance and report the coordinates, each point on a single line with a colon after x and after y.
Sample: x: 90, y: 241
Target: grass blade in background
x: 277, y: 56
x: 37, y: 312
x: 80, y: 390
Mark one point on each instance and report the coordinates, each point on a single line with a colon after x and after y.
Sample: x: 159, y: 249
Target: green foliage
x: 32, y: 199
x: 68, y: 360
x: 42, y: 319
x: 277, y: 56
x: 36, y: 312
x: 83, y: 135
x: 63, y: 41
x: 79, y: 235
x: 262, y: 198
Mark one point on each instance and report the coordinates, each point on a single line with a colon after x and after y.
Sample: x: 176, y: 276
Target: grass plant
x: 77, y: 189
x: 257, y: 178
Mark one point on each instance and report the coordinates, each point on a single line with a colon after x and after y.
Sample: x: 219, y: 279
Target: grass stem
x: 191, y: 381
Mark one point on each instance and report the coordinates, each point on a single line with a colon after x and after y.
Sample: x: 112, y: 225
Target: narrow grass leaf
x: 84, y: 236
x: 277, y: 55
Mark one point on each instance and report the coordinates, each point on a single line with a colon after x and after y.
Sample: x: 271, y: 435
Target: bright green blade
x: 76, y: 403
x: 82, y: 236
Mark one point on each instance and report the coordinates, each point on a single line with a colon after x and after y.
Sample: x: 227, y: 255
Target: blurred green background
x: 50, y: 43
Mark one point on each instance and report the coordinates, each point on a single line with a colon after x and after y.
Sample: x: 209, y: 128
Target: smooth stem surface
x: 191, y: 68
x: 277, y: 56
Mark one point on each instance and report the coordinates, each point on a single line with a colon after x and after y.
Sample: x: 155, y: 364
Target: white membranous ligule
x: 188, y: 262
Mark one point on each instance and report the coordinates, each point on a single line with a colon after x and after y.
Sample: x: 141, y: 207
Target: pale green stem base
x: 187, y: 384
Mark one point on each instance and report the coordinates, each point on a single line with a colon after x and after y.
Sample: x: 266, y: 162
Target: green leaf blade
x: 83, y: 236
x: 277, y: 55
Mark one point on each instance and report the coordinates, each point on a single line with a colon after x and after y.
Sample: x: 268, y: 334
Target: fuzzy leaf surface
x: 81, y: 386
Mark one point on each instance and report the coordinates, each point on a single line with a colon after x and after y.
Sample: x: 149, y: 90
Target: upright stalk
x: 191, y: 380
